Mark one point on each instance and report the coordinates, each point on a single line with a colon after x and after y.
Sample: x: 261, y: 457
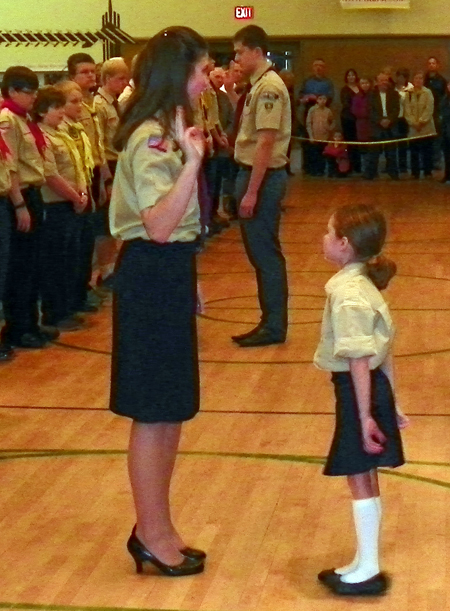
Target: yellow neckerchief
x: 75, y: 157
x: 76, y: 131
x: 97, y: 128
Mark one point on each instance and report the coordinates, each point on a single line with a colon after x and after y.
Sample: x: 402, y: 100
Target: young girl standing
x: 357, y: 334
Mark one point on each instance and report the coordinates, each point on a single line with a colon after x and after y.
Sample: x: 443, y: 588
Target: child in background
x: 320, y: 125
x: 337, y: 157
x: 355, y: 345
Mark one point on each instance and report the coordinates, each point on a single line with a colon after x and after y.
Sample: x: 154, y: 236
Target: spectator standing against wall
x: 384, y: 111
x: 419, y: 111
x: 402, y: 86
x: 348, y: 119
x: 437, y: 84
x: 361, y: 111
x: 320, y: 125
x: 315, y: 85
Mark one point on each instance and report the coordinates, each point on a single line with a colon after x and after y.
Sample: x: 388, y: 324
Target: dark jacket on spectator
x: 445, y: 116
x: 438, y: 86
x: 376, y: 109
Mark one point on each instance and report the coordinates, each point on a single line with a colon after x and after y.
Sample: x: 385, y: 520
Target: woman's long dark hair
x: 161, y: 77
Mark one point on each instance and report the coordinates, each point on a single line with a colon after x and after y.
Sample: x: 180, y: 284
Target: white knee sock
x: 353, y: 565
x: 367, y: 517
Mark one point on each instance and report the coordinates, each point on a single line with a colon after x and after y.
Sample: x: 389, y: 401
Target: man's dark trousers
x: 262, y: 243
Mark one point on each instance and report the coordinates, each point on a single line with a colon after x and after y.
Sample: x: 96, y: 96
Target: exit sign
x: 243, y: 12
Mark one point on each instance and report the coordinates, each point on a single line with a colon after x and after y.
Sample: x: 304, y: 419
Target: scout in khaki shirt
x: 356, y: 341
x: 81, y: 67
x: 6, y: 354
x: 154, y: 378
x: 261, y: 151
x: 65, y: 197
x: 31, y: 166
x: 114, y: 77
x: 146, y: 172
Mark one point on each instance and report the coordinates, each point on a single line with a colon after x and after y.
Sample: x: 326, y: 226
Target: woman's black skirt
x: 155, y: 359
x: 347, y: 455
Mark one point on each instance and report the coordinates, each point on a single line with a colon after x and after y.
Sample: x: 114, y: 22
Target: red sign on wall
x: 243, y: 12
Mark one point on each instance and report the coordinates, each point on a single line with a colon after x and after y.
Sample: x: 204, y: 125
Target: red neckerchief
x: 34, y: 127
x: 4, y: 150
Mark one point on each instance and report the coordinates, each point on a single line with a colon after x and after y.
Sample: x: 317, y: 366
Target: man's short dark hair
x: 252, y: 36
x: 78, y: 58
x: 19, y: 78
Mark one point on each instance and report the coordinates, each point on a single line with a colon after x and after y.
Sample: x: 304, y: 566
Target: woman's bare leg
x: 151, y: 458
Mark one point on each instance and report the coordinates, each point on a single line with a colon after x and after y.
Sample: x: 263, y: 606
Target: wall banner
x: 388, y: 4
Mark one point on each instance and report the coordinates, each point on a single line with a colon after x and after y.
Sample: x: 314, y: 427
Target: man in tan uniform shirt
x: 261, y: 152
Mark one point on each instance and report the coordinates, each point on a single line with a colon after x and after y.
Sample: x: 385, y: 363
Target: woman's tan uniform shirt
x: 68, y: 162
x: 26, y: 161
x: 147, y: 170
x: 267, y: 106
x: 419, y: 106
x: 356, y: 322
x: 106, y: 108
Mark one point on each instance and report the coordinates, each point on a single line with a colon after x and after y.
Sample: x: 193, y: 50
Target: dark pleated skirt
x: 347, y: 455
x: 155, y: 374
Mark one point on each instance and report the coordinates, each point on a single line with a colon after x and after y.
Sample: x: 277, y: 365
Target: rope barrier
x: 372, y: 142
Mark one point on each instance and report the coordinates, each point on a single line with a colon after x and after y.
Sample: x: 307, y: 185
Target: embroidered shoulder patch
x: 158, y: 143
x: 269, y: 96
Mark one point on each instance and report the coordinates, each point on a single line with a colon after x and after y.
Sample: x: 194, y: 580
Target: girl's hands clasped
x: 190, y: 139
x: 373, y: 438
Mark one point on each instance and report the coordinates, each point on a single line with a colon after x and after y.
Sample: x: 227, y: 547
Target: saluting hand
x: 373, y: 438
x: 190, y: 139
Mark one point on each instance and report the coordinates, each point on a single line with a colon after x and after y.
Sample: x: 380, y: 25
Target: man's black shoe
x: 238, y: 338
x: 48, y: 333
x: 6, y: 353
x: 30, y: 340
x: 262, y: 337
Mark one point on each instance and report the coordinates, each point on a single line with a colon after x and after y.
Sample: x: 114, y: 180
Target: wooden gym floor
x: 248, y: 486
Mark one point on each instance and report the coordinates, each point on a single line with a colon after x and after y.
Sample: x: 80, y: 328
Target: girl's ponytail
x: 380, y: 270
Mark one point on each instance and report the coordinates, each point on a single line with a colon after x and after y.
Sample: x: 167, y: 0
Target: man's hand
x: 385, y: 123
x: 247, y: 206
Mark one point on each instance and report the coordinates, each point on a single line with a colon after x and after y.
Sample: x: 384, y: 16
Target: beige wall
x: 213, y: 18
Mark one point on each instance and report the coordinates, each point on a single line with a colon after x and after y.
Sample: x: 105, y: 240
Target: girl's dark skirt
x: 347, y: 455
x: 155, y: 360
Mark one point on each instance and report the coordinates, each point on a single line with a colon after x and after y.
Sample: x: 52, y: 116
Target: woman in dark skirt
x: 155, y: 211
x: 357, y: 334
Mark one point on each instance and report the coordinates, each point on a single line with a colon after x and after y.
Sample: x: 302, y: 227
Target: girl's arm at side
x: 387, y: 367
x: 373, y: 438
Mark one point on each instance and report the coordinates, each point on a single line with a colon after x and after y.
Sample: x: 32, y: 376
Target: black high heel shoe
x: 140, y: 554
x: 195, y: 554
